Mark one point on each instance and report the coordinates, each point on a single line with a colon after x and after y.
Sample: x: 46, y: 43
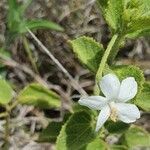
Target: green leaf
x: 6, y: 92
x: 116, y: 127
x: 97, y: 144
x: 42, y: 24
x: 39, y: 96
x: 77, y: 132
x: 50, y: 133
x: 119, y: 147
x: 114, y: 14
x: 143, y: 100
x: 130, y: 71
x: 88, y: 51
x: 137, y: 137
x: 137, y: 17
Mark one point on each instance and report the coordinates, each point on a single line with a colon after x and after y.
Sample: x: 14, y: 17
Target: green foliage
x: 136, y: 137
x: 127, y: 18
x: 114, y: 14
x: 97, y: 144
x: 36, y: 24
x: 6, y: 92
x: 130, y: 71
x: 18, y: 24
x: 88, y: 51
x: 119, y: 147
x: 116, y: 127
x: 77, y: 132
x: 39, y: 96
x: 143, y: 100
x: 50, y: 133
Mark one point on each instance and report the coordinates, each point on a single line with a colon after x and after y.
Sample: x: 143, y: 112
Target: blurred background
x: 77, y: 17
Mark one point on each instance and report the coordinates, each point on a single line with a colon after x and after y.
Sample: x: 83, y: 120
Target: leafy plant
x: 123, y: 86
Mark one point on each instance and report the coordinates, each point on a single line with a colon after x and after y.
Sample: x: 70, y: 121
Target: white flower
x: 113, y: 104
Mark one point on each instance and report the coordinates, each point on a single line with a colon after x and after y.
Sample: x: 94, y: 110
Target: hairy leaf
x: 77, y: 132
x: 130, y: 71
x: 88, y: 51
x: 136, y: 137
x: 37, y: 95
x: 143, y: 100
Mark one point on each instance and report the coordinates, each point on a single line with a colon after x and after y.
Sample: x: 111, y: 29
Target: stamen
x: 114, y: 112
x: 114, y: 115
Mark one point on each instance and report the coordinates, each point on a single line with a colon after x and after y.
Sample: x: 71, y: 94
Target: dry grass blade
x: 73, y: 82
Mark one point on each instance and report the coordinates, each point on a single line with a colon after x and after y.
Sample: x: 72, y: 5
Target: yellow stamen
x: 113, y: 115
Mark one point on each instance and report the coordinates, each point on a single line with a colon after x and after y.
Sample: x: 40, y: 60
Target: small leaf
x: 137, y: 137
x: 114, y: 14
x: 97, y: 144
x: 116, y: 127
x: 6, y: 92
x: 143, y: 100
x: 88, y: 51
x: 40, y: 24
x: 77, y: 132
x: 39, y: 96
x: 130, y: 71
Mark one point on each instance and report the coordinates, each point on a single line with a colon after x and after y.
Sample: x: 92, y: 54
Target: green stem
x: 29, y: 53
x: 105, y: 58
x: 4, y: 114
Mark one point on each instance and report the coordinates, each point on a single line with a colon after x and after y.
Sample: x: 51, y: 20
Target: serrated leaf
x: 137, y: 137
x: 88, y: 51
x: 130, y: 71
x: 114, y: 14
x: 6, y: 92
x: 39, y: 96
x: 77, y: 132
x: 143, y: 100
x: 40, y: 24
x: 116, y: 127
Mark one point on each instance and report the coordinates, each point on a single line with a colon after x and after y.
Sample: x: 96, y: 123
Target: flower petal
x: 93, y: 102
x: 127, y: 112
x: 110, y: 86
x: 128, y: 89
x: 102, y: 117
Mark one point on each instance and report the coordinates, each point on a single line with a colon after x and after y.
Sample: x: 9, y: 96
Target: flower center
x: 114, y: 112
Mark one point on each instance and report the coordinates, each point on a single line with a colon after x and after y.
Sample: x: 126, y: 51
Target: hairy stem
x: 105, y: 58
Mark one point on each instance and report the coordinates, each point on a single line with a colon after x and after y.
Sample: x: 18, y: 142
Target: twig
x: 11, y: 63
x: 73, y: 82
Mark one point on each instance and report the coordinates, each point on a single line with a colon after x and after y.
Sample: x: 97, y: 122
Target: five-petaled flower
x: 113, y: 104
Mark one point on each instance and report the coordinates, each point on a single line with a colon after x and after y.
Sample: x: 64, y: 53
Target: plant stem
x: 29, y: 53
x: 105, y: 58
